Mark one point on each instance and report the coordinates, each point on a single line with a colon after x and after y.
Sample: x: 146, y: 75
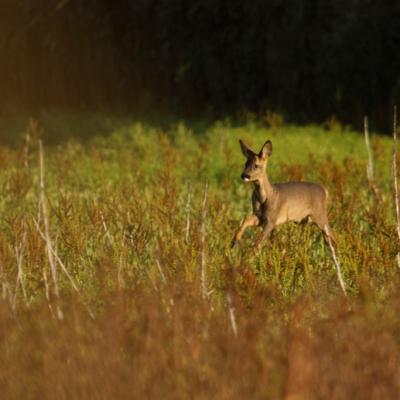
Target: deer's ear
x: 246, y: 150
x: 266, y: 150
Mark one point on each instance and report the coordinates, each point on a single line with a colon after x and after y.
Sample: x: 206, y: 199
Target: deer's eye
x: 255, y: 166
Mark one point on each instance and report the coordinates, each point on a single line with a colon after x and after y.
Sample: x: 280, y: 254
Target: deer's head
x: 256, y: 163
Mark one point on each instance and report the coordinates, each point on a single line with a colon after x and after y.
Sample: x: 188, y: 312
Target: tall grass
x: 156, y: 305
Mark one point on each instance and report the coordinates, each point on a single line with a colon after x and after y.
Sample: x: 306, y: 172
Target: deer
x: 278, y: 203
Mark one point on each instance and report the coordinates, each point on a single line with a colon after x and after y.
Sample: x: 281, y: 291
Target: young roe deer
x: 275, y: 204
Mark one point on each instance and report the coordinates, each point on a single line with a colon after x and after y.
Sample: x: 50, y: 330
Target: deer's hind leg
x: 323, y: 224
x: 251, y: 220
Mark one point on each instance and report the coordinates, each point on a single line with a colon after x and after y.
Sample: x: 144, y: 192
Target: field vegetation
x: 117, y: 280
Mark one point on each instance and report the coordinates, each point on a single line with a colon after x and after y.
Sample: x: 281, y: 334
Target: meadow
x: 117, y: 279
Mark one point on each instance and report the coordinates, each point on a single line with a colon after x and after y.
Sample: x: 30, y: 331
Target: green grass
x: 118, y: 212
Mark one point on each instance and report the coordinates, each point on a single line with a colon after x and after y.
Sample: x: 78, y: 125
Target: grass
x: 125, y: 219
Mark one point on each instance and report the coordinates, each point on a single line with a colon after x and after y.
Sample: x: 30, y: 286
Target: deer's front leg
x: 264, y: 236
x: 251, y: 220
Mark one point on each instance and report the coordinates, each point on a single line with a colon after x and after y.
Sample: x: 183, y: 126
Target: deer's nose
x: 245, y: 177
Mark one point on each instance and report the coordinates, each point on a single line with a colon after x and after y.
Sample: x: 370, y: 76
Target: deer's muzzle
x: 245, y: 177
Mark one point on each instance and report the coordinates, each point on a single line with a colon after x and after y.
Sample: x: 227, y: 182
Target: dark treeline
x: 306, y: 58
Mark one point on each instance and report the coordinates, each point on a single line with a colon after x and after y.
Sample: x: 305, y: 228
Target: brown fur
x: 275, y: 204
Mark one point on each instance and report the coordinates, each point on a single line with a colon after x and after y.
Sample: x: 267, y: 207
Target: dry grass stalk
x: 47, y: 291
x: 63, y: 267
x: 120, y: 279
x: 47, y: 238
x: 163, y: 278
x: 370, y: 165
x: 337, y: 265
x: 187, y: 209
x: 26, y: 149
x: 395, y: 184
x: 370, y: 168
x: 20, y: 281
x: 203, y: 243
x: 232, y: 317
x: 109, y: 237
x: 5, y: 286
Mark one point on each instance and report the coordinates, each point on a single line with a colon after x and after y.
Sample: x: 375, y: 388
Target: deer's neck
x: 263, y: 189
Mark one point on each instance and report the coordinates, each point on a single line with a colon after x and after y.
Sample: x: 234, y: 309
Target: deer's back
x: 297, y: 200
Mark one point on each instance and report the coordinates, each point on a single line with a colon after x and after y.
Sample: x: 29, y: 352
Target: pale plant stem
x: 203, y: 243
x: 50, y: 255
x: 47, y: 286
x: 370, y: 165
x: 120, y: 264
x: 395, y: 184
x: 153, y: 284
x: 20, y: 281
x: 232, y: 317
x: 6, y: 290
x: 337, y: 266
x: 109, y: 237
x: 187, y: 228
x: 26, y: 149
x: 163, y: 278
x: 47, y: 291
x: 64, y: 269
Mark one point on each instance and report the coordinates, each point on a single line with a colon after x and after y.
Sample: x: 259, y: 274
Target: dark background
x: 307, y: 59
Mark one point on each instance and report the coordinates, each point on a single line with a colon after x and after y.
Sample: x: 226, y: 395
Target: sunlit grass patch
x: 129, y: 222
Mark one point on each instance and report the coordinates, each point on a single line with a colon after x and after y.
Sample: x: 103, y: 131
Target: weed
x: 154, y: 302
